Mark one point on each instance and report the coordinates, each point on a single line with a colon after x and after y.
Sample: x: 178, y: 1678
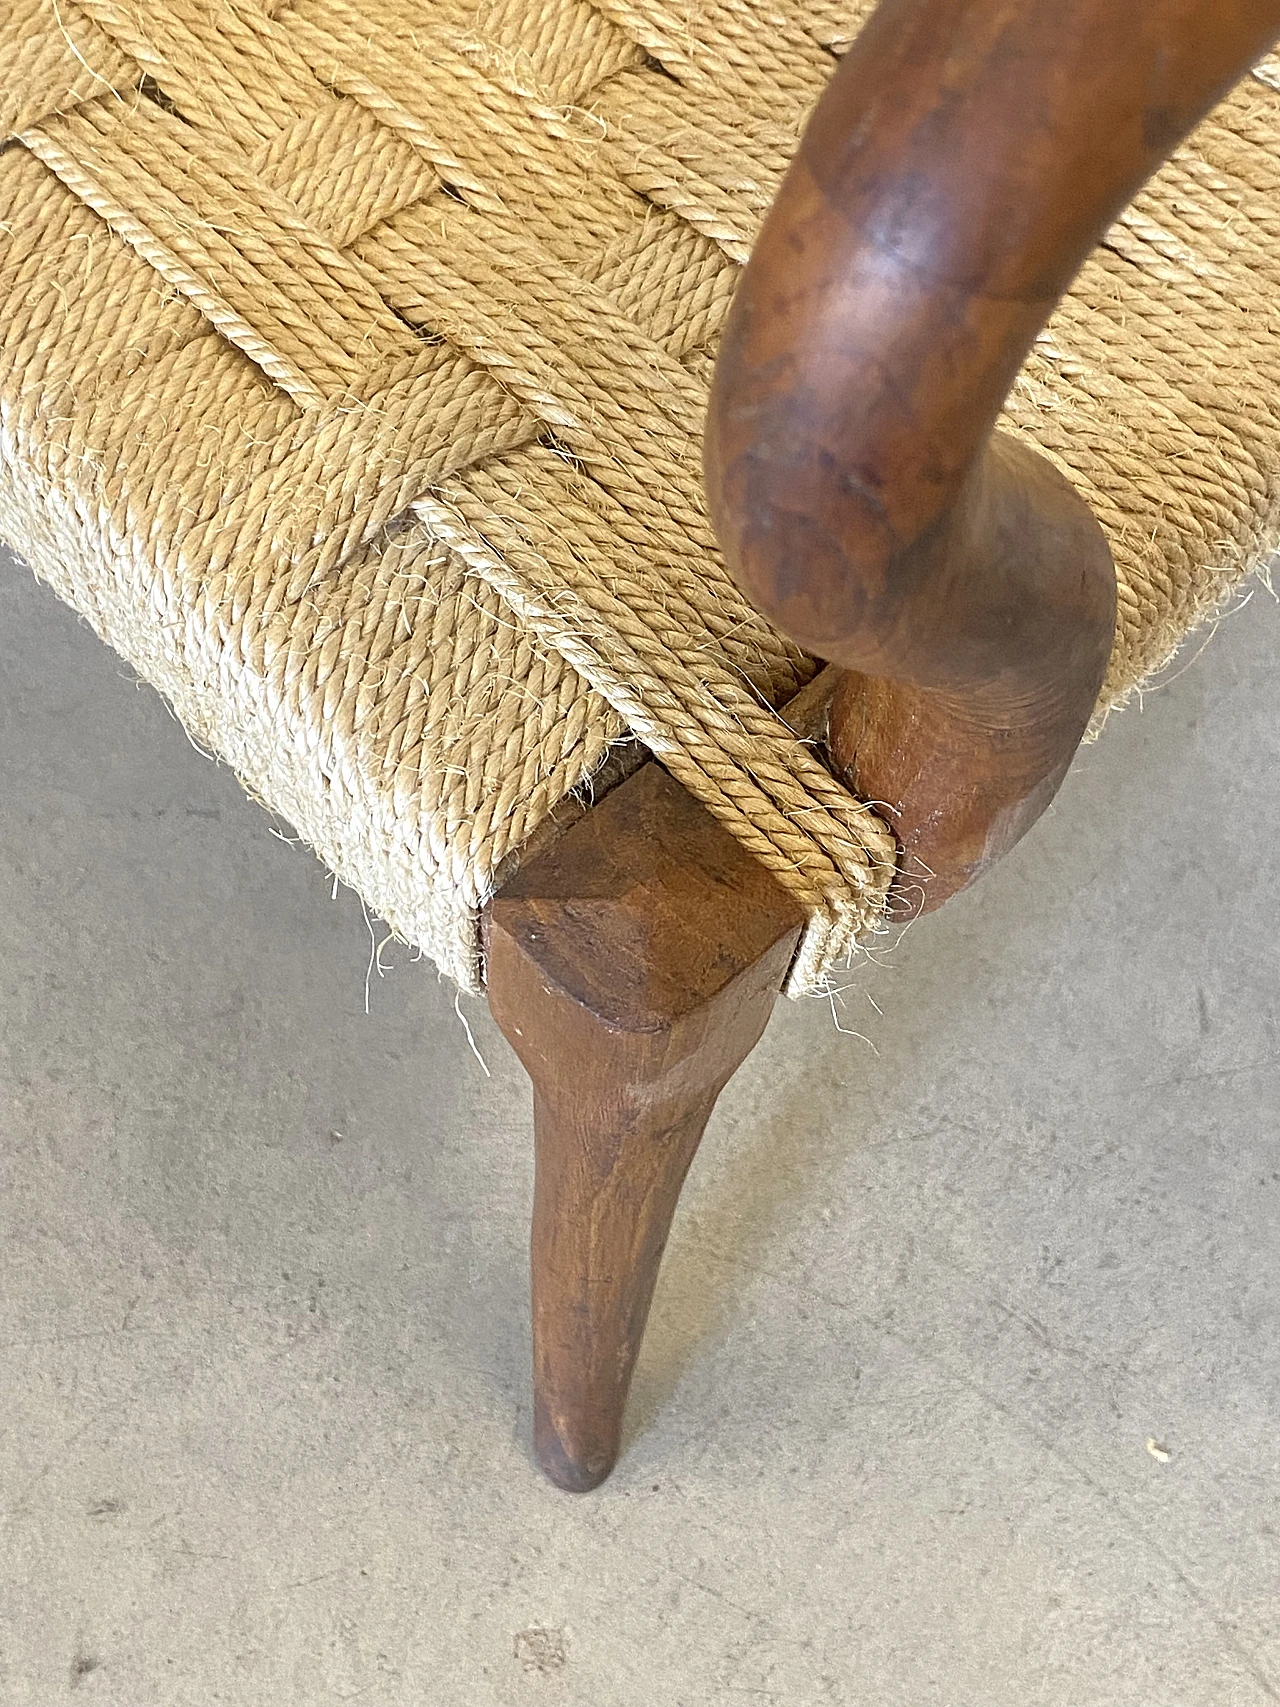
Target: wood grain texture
x: 964, y: 159
x: 633, y: 965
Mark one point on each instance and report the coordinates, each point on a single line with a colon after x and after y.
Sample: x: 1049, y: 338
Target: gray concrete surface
x: 263, y: 1417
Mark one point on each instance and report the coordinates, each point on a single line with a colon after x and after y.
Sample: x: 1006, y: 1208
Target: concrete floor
x: 263, y: 1420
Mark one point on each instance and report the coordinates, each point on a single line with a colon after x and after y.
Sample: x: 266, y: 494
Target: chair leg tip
x: 575, y: 1472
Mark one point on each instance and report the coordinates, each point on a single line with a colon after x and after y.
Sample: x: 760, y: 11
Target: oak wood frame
x: 964, y: 159
x: 962, y: 162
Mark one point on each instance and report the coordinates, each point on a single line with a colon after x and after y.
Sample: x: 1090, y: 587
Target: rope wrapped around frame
x: 353, y: 359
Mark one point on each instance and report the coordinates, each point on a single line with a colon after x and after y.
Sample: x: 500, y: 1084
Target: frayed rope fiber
x: 353, y: 362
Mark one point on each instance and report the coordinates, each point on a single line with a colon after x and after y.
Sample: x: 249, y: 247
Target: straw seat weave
x: 353, y: 360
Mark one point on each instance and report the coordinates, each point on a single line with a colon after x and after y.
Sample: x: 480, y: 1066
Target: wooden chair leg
x: 633, y: 965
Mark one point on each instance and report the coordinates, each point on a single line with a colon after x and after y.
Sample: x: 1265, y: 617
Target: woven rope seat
x: 353, y: 362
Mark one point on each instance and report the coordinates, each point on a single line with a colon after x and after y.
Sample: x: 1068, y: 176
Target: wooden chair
x: 352, y: 369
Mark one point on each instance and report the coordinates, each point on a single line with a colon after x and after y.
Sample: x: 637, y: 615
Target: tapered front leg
x: 633, y: 965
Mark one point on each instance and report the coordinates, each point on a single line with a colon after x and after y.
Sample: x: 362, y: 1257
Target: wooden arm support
x: 965, y: 158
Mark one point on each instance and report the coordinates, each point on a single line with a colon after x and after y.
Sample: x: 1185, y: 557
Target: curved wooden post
x: 633, y: 964
x: 965, y: 158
